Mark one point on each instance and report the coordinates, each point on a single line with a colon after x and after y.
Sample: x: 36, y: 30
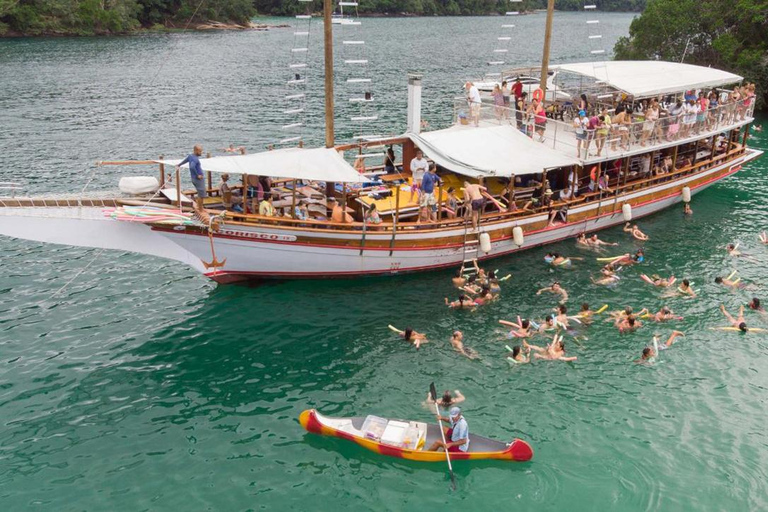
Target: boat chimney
x: 414, y: 103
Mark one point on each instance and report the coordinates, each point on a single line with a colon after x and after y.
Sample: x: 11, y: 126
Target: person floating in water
x: 557, y: 290
x: 635, y: 232
x: 607, y: 277
x: 664, y: 314
x: 592, y: 241
x: 463, y: 302
x: 687, y: 209
x: 411, y: 336
x: 650, y: 353
x: 733, y: 250
x: 628, y: 324
x: 447, y: 400
x: 686, y: 289
x: 738, y: 322
x: 459, y: 280
x: 555, y: 351
x: 754, y: 305
x: 727, y: 281
x: 457, y: 342
x: 518, y: 356
x: 658, y: 281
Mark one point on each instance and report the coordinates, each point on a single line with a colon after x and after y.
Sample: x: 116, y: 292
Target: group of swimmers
x: 482, y: 287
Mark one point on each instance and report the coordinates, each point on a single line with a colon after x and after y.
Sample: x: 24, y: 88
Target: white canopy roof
x: 645, y: 78
x: 317, y: 164
x: 488, y: 151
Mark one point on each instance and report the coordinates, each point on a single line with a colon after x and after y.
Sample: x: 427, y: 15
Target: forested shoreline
x: 94, y: 17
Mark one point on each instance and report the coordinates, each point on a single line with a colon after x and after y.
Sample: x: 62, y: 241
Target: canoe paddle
x: 433, y: 394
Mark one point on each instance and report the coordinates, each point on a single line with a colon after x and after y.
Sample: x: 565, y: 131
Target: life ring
x: 538, y: 94
x: 593, y: 174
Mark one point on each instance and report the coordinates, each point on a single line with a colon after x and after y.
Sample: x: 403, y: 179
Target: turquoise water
x: 143, y: 386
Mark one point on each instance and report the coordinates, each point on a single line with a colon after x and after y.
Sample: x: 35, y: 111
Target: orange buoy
x: 538, y: 94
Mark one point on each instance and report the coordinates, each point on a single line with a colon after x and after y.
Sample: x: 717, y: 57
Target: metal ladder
x: 471, y: 247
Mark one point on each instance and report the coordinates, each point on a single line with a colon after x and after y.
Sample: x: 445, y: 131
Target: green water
x: 143, y: 386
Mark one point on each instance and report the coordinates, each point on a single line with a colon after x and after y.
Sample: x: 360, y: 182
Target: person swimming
x: 628, y: 324
x: 635, y: 232
x: 518, y: 356
x: 457, y: 342
x: 685, y: 289
x: 556, y: 259
x: 555, y: 351
x: 754, y: 305
x: 416, y: 338
x: 664, y: 314
x: 485, y: 296
x: 463, y: 302
x: 659, y: 281
x: 448, y: 400
x: 557, y: 290
x: 458, y: 279
x: 650, y: 353
x: 608, y: 277
x: 562, y: 316
x: 738, y: 322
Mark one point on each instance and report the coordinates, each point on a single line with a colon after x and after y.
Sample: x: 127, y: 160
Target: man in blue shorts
x: 196, y: 173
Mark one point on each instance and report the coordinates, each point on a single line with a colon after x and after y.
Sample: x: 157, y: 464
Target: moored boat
x: 407, y: 439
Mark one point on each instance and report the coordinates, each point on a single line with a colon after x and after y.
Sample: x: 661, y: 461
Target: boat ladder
x: 471, y: 248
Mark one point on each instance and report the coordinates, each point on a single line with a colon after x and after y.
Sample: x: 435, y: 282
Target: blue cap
x: 582, y: 113
x: 455, y: 411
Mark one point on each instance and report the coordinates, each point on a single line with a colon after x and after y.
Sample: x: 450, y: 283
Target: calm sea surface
x: 143, y: 386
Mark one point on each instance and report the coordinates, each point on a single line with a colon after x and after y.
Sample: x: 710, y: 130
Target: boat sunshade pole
x: 328, y: 46
x: 545, y: 56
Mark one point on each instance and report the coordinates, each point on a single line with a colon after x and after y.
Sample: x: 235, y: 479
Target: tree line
x: 35, y: 17
x: 726, y: 34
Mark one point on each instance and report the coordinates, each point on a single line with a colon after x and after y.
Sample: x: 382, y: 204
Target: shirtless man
x: 733, y: 250
x: 447, y: 400
x: 555, y: 351
x: 726, y: 281
x: 473, y: 194
x: 459, y: 280
x: 665, y: 314
x: 457, y: 342
x: 754, y: 305
x: 557, y: 290
x: 558, y: 260
x: 562, y: 316
x: 608, y: 277
x: 635, y: 231
x: 650, y: 353
x: 462, y: 303
x: 628, y: 324
x: 685, y: 289
x: 739, y: 322
x: 548, y: 325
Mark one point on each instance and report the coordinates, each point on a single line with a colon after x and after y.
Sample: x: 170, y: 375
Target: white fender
x: 517, y: 236
x: 485, y: 242
x: 626, y: 210
x: 686, y: 194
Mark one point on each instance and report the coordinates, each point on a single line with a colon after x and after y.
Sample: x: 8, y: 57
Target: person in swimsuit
x: 739, y: 322
x: 447, y: 400
x: 594, y: 241
x: 473, y: 194
x: 457, y: 342
x: 628, y: 324
x: 754, y: 305
x: 555, y: 351
x: 414, y: 337
x: 607, y: 278
x: 458, y: 280
x: 523, y: 329
x: 650, y: 353
x: 485, y: 296
x: 556, y: 259
x: 731, y: 283
x: 658, y: 281
x: 557, y: 290
x: 687, y: 209
x: 518, y: 356
x: 665, y: 314
x: 462, y: 303
x: 685, y: 289
x: 562, y: 316
x: 635, y: 232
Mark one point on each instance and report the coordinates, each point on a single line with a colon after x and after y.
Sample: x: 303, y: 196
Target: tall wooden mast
x: 547, y: 40
x: 328, y: 36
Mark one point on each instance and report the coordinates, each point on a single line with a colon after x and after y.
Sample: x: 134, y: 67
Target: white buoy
x: 517, y: 236
x: 485, y: 242
x: 626, y: 210
x: 686, y: 195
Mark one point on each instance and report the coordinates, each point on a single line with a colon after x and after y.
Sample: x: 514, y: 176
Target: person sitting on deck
x: 266, y: 208
x: 372, y: 215
x: 301, y: 212
x: 337, y: 212
x: 457, y: 436
x: 389, y: 161
x: 452, y: 203
x: 228, y: 198
x: 196, y: 173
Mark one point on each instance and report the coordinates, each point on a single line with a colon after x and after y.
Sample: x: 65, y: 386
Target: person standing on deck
x: 419, y: 166
x: 457, y: 436
x: 427, y: 201
x: 196, y: 173
x: 474, y: 100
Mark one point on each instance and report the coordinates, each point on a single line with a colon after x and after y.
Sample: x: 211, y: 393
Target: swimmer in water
x: 594, y: 241
x: 464, y: 302
x: 459, y: 280
x: 764, y: 238
x: 411, y: 336
x: 447, y: 400
x: 754, y: 305
x: 665, y: 314
x: 562, y: 316
x: 521, y: 329
x: 557, y: 290
x: 658, y: 281
x: 457, y: 342
x: 607, y: 278
x: 518, y: 356
x: 548, y: 324
x: 493, y: 282
x: 733, y: 250
x: 727, y: 281
x: 628, y: 324
x: 685, y: 289
x: 687, y: 209
x: 472, y: 286
x: 585, y: 314
x: 739, y: 322
x: 635, y: 232
x: 485, y: 296
x: 650, y: 353
x: 555, y: 259
x: 555, y: 351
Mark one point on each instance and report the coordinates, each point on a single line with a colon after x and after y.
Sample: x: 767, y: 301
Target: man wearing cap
x: 457, y: 436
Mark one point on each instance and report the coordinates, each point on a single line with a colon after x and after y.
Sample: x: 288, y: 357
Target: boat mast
x: 328, y: 35
x: 547, y: 39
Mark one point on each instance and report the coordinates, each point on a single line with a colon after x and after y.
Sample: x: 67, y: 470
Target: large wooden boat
x: 407, y: 439
x: 644, y: 167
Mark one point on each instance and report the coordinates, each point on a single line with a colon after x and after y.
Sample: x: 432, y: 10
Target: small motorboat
x: 408, y: 439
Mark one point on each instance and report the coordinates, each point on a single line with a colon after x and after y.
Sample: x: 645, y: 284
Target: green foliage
x: 726, y: 34
x: 84, y: 17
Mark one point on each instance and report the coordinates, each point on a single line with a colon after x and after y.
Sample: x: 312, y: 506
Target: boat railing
x: 636, y: 136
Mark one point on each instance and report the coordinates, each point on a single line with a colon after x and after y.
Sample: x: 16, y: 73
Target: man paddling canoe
x: 458, y: 433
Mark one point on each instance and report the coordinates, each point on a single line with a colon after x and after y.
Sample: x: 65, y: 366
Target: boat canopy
x: 316, y: 164
x: 488, y: 151
x: 643, y: 79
